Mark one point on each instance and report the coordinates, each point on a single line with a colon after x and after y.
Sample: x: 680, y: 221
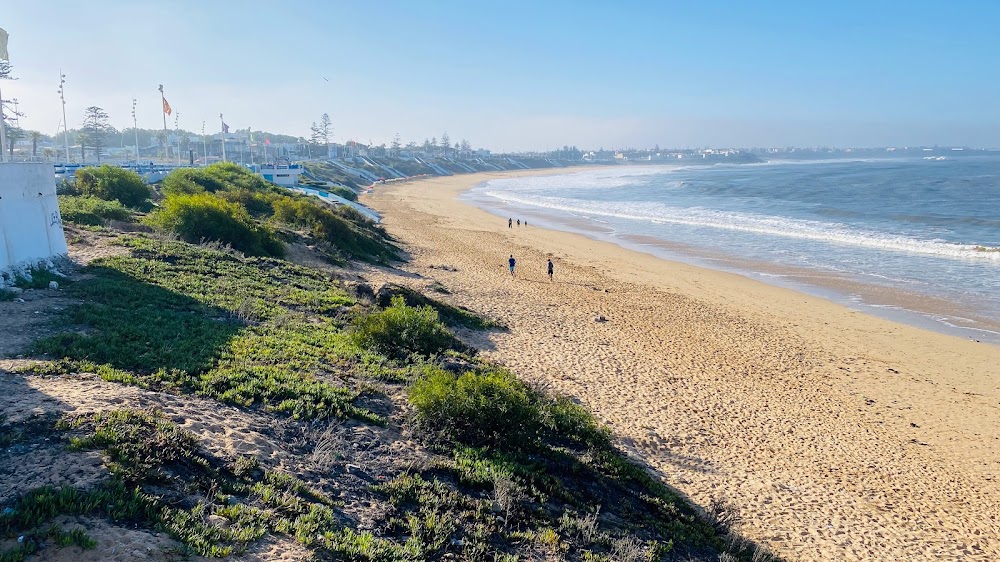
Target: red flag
x: 166, y: 107
x: 267, y: 141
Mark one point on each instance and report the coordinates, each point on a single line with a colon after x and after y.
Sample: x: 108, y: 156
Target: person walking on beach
x: 510, y: 223
x: 550, y: 269
x: 512, y: 262
x: 518, y: 222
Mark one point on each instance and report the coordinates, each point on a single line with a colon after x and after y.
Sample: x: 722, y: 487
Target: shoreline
x: 839, y: 435
x: 919, y: 310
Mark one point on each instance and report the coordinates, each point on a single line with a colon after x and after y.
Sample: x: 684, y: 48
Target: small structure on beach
x: 281, y: 172
x: 31, y: 233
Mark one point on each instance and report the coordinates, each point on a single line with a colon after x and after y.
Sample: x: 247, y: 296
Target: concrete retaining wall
x: 31, y: 231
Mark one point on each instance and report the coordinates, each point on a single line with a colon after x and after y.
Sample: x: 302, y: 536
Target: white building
x: 285, y: 175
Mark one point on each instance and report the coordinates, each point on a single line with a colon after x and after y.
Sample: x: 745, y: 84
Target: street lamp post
x: 135, y: 127
x: 62, y: 97
x: 3, y: 135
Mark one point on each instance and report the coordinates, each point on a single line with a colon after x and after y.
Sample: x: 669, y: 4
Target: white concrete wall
x: 31, y: 231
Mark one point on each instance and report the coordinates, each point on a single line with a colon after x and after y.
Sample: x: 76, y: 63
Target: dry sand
x: 840, y: 436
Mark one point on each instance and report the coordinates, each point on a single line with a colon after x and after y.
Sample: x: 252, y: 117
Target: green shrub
x: 257, y: 203
x: 344, y: 192
x: 491, y: 407
x: 202, y: 216
x: 478, y: 408
x: 400, y: 330
x: 112, y: 183
x: 66, y: 187
x: 222, y: 176
x: 572, y: 421
x: 235, y: 176
x: 341, y: 227
x: 186, y: 181
x: 91, y: 211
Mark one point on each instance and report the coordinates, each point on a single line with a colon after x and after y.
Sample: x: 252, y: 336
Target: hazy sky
x: 524, y: 75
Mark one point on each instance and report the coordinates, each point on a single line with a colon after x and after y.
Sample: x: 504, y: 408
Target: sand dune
x: 840, y: 436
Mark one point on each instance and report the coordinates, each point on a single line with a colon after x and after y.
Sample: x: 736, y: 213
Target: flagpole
x: 177, y: 133
x: 204, y: 144
x: 166, y: 149
x: 223, y: 127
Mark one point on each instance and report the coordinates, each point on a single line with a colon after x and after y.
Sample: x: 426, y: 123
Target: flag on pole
x: 166, y: 107
x: 225, y: 128
x: 3, y: 46
x: 267, y: 142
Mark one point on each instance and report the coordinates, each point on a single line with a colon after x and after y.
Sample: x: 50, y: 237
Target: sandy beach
x: 839, y: 435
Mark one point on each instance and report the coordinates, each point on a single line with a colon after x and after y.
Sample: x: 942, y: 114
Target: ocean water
x: 913, y: 239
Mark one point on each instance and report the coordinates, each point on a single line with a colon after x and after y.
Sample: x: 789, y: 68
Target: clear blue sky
x: 524, y: 75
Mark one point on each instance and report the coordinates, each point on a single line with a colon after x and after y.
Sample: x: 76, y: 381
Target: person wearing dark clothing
x: 550, y: 269
x: 512, y: 262
x: 510, y: 223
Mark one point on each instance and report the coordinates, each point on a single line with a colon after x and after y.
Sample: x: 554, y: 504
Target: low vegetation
x: 338, y: 190
x: 499, y: 470
x: 113, y: 183
x: 227, y: 204
x: 400, y: 330
x: 36, y: 278
x: 452, y: 315
x: 343, y: 227
x: 92, y: 211
x: 200, y: 217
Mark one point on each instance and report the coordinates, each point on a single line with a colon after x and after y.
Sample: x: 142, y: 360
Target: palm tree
x: 35, y: 137
x: 81, y: 137
x: 13, y: 135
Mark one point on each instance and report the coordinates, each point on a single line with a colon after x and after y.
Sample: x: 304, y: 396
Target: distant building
x: 283, y: 174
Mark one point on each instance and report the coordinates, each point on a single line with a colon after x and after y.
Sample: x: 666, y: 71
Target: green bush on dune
x: 478, y: 408
x: 199, y: 217
x: 342, y: 227
x: 186, y: 181
x: 245, y: 201
x: 92, y: 211
x: 401, y: 330
x: 113, y: 183
x: 221, y: 176
x: 491, y: 407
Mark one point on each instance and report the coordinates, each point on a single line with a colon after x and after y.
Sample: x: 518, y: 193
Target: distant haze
x: 523, y: 75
